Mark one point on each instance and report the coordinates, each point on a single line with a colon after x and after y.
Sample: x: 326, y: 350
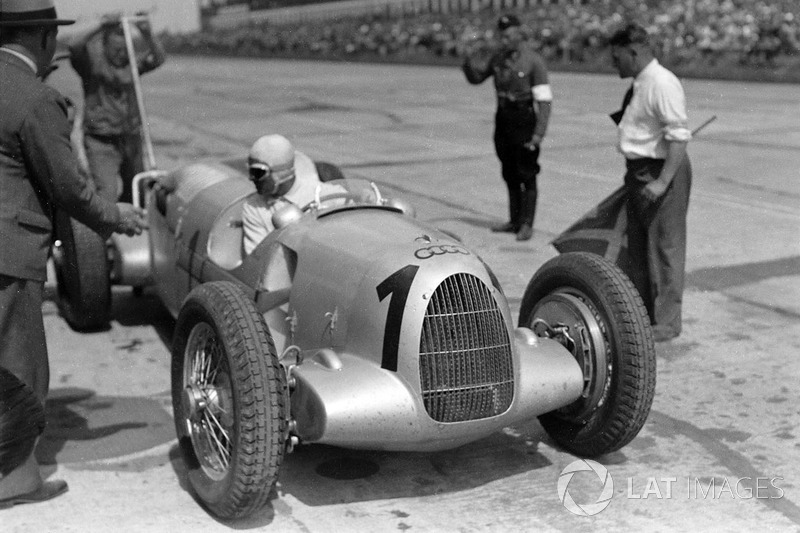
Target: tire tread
x: 633, y: 389
x: 262, y: 394
x: 84, y: 287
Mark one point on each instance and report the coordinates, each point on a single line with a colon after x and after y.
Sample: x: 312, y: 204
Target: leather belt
x: 507, y: 98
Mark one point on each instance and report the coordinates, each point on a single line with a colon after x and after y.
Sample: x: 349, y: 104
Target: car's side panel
x: 179, y: 209
x: 201, y: 217
x: 163, y: 253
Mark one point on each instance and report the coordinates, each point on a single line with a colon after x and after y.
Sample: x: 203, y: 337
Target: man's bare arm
x: 676, y: 152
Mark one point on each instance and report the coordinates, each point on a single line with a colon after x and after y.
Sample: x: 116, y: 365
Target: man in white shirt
x: 282, y: 177
x: 653, y: 133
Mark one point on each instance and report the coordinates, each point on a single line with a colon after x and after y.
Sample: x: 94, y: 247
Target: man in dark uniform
x: 111, y: 121
x: 653, y: 132
x: 524, y: 100
x: 38, y: 173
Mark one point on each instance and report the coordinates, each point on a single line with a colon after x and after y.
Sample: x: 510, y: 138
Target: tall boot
x: 527, y: 214
x: 514, y: 210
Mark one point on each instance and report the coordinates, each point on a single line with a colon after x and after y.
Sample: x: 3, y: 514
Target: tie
x: 617, y: 115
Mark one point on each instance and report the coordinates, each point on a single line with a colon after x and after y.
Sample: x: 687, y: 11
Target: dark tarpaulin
x: 600, y: 231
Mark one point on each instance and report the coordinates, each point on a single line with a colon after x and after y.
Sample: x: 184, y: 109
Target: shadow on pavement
x: 325, y: 475
x: 145, y: 309
x: 83, y: 428
x: 321, y: 475
x: 725, y: 277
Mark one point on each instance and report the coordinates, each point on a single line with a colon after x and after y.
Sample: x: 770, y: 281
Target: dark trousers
x: 514, y: 124
x: 657, y: 241
x: 113, y: 162
x: 23, y: 352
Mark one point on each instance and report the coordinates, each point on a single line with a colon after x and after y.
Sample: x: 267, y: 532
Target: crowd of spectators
x: 758, y: 33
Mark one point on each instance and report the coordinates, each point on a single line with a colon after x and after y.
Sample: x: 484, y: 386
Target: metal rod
x: 137, y: 18
x: 149, y: 157
x: 702, y: 126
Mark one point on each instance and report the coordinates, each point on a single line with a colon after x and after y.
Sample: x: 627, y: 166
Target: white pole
x: 149, y: 156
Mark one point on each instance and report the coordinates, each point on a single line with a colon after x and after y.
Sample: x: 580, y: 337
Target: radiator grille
x: 465, y: 363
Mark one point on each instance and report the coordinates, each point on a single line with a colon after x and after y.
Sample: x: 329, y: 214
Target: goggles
x: 258, y: 171
x: 270, y: 179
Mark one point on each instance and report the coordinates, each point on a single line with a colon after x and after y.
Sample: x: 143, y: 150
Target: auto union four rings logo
x: 587, y: 509
x: 440, y: 249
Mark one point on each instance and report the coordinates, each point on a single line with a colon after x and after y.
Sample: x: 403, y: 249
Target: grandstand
x: 754, y: 39
x: 285, y: 12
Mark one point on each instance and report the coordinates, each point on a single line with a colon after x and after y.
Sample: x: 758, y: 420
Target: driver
x: 271, y: 165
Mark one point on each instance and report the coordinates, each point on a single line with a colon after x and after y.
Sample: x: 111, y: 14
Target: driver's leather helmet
x: 271, y: 165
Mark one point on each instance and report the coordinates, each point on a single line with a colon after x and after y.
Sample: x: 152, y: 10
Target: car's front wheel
x: 592, y: 308
x: 230, y: 400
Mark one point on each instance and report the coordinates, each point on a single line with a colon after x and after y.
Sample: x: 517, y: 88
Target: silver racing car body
x: 398, y: 337
x: 355, y: 324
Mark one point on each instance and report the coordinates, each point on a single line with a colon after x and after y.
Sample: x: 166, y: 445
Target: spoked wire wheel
x: 230, y: 400
x: 208, y: 402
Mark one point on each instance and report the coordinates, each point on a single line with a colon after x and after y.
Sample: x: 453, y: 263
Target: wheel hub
x: 568, y: 319
x: 194, y: 402
x: 198, y: 399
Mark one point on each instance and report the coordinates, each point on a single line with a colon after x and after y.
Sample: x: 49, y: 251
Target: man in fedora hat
x: 38, y: 173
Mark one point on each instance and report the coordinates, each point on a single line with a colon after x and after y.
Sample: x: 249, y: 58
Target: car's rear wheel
x: 82, y: 275
x: 593, y: 309
x: 230, y: 400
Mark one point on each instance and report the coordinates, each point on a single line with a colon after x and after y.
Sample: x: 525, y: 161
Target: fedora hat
x: 30, y: 13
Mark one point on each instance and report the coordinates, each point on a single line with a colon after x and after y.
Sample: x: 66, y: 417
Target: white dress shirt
x: 655, y: 115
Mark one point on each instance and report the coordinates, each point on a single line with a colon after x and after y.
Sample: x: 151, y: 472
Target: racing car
x: 355, y: 324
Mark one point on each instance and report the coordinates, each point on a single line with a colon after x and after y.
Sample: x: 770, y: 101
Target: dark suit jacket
x: 38, y: 172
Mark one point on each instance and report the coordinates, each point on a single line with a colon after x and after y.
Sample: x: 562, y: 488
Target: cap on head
x: 30, y: 13
x: 274, y: 150
x: 508, y: 21
x: 271, y: 164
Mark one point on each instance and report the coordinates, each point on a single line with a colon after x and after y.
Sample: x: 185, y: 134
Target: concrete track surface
x: 721, y: 449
